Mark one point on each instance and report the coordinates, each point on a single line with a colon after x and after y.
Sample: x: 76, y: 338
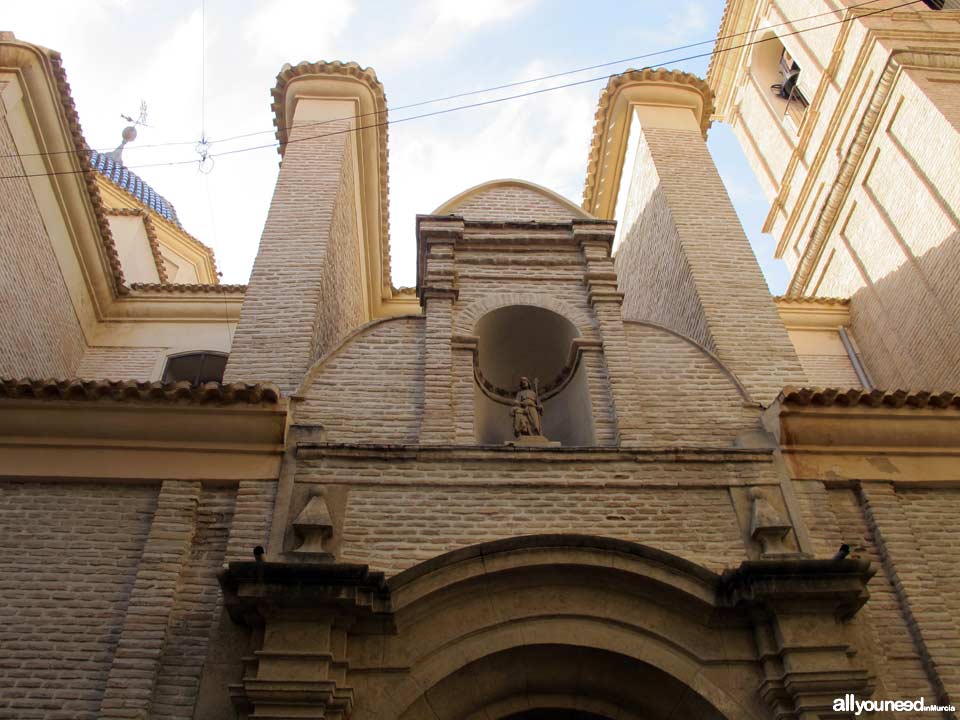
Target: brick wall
x: 513, y: 202
x: 829, y: 371
x: 341, y: 291
x: 403, y: 511
x: 680, y: 395
x: 653, y: 272
x: 371, y: 390
x: 690, y: 266
x: 196, y: 606
x: 72, y: 552
x: 40, y: 335
x: 908, y: 628
x: 119, y: 363
x: 285, y: 315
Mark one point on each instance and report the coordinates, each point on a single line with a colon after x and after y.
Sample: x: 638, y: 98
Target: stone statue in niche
x: 527, y: 412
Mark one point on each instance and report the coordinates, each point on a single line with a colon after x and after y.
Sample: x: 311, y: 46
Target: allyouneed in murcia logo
x: 849, y: 703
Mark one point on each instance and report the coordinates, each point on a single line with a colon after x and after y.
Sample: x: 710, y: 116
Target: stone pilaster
x: 464, y: 356
x: 596, y: 241
x: 437, y: 289
x: 136, y: 662
x: 800, y: 611
x: 303, y: 614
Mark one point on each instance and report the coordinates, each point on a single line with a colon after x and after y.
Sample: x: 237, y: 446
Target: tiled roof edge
x: 211, y: 393
x: 89, y: 174
x: 835, y: 397
x: 812, y: 299
x: 188, y: 288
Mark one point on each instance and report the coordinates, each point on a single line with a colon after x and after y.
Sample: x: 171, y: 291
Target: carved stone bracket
x: 799, y: 610
x: 303, y: 613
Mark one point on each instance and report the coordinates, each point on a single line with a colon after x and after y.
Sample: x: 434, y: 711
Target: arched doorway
x: 560, y: 682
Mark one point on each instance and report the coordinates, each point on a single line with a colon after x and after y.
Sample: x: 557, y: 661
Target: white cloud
x: 543, y: 138
x: 436, y: 26
x: 293, y: 30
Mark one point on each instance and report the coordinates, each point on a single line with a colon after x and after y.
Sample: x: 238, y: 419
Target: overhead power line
x: 456, y: 96
x: 492, y: 101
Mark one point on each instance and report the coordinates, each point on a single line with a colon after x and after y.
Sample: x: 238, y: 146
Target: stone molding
x: 623, y: 91
x: 299, y: 671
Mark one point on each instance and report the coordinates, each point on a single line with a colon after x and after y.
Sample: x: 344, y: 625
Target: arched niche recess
x: 519, y: 341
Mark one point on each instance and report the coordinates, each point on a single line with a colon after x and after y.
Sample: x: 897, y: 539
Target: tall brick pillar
x: 683, y: 259
x: 436, y: 283
x: 309, y: 286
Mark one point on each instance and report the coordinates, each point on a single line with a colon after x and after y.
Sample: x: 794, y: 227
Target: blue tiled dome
x: 133, y: 184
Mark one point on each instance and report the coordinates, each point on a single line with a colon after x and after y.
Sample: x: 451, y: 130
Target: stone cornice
x: 136, y: 432
x: 612, y: 123
x: 371, y: 119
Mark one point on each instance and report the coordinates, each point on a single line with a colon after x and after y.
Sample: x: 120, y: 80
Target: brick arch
x: 468, y: 317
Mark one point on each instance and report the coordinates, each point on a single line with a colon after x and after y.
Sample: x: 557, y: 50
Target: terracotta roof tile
x: 826, y: 397
x: 130, y: 390
x: 188, y: 288
x: 812, y: 299
x: 89, y: 175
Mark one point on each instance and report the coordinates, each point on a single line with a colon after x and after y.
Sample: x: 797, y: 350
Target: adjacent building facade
x: 588, y: 468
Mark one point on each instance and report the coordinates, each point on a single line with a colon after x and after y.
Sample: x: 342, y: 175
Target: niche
x: 527, y: 341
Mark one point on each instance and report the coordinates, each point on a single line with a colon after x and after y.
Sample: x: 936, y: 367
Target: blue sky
x: 117, y: 52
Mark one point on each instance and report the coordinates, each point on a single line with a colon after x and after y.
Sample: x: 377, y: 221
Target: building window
x: 787, y: 88
x: 778, y: 78
x: 196, y: 368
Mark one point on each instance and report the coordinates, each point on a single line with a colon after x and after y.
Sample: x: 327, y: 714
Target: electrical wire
x: 469, y: 93
x: 483, y: 103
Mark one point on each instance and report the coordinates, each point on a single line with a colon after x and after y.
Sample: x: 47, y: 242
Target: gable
x: 504, y: 200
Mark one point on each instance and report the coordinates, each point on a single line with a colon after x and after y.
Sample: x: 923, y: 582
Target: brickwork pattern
x: 341, y: 306
x: 394, y: 528
x: 680, y: 396
x: 196, y: 605
x: 829, y: 371
x: 136, y: 663
x: 371, y: 390
x: 923, y: 606
x: 253, y: 511
x: 653, y: 273
x: 74, y: 551
x: 40, y: 335
x: 833, y: 517
x: 119, y: 363
x: 284, y: 314
x: 746, y: 330
x: 514, y: 203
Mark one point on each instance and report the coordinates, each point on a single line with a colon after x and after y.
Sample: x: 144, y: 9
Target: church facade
x: 588, y: 468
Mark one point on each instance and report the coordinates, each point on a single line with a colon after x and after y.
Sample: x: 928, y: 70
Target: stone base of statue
x: 532, y: 441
